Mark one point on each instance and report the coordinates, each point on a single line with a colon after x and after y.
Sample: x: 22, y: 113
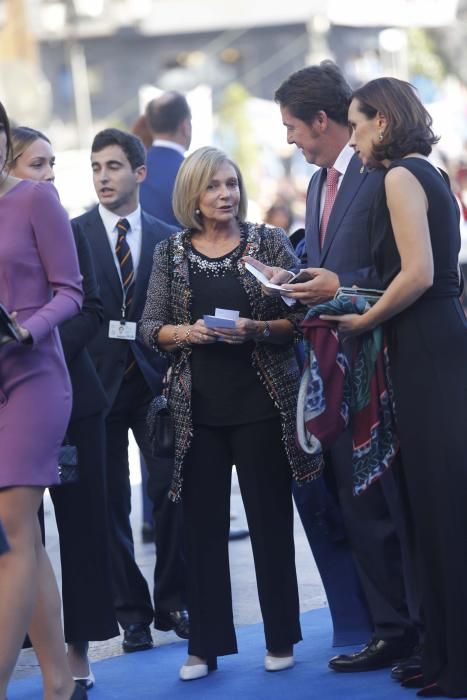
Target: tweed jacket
x: 169, y: 302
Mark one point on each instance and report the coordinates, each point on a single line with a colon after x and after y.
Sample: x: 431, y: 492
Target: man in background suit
x: 314, y: 103
x: 122, y: 238
x: 169, y: 118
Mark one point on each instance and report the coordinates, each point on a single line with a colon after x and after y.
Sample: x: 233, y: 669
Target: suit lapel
x: 351, y: 183
x: 313, y: 206
x: 145, y: 263
x: 97, y: 235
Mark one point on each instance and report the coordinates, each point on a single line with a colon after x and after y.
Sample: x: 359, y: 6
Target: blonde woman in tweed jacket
x: 233, y: 397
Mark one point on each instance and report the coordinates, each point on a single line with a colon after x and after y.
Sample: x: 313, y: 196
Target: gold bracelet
x: 186, y: 339
x: 176, y: 338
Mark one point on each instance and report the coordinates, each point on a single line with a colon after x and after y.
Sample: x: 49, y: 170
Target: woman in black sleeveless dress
x: 415, y: 239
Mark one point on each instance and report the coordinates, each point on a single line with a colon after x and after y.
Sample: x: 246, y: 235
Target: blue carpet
x: 153, y: 675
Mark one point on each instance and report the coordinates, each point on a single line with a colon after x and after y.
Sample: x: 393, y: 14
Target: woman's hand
x: 349, y: 324
x: 25, y: 334
x: 275, y: 275
x: 200, y: 334
x: 245, y: 329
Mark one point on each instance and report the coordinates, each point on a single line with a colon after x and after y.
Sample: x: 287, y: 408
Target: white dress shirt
x: 133, y: 237
x: 169, y: 144
x: 341, y: 164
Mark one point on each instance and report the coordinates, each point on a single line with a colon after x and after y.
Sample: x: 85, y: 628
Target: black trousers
x: 83, y: 528
x: 265, y: 482
x: 378, y: 532
x: 131, y: 594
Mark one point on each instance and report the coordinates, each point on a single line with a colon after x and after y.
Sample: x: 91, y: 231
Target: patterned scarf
x: 339, y: 388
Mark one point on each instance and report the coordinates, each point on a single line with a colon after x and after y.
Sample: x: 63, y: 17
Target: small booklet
x: 300, y: 276
x: 8, y: 332
x: 223, y: 318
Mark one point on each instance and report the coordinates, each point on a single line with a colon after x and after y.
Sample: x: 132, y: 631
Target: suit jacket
x: 89, y: 396
x: 156, y: 190
x: 346, y: 249
x: 110, y: 355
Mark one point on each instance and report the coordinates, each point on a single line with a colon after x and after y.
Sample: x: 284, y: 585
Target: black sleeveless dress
x: 428, y: 353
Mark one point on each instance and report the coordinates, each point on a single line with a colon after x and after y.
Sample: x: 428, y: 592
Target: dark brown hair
x: 131, y: 145
x: 314, y: 89
x: 5, y: 127
x: 409, y: 124
x: 166, y: 112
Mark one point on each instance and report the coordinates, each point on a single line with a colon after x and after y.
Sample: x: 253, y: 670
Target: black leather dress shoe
x: 431, y: 691
x: 408, y: 667
x: 176, y: 620
x: 137, y: 637
x: 378, y: 653
x: 413, y: 681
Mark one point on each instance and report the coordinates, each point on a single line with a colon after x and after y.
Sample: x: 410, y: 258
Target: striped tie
x: 125, y: 261
x: 123, y: 252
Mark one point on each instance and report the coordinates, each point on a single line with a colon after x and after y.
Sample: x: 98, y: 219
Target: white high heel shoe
x: 278, y: 663
x: 192, y: 673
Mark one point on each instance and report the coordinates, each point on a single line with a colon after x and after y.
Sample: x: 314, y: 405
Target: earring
x: 197, y: 212
x: 381, y: 136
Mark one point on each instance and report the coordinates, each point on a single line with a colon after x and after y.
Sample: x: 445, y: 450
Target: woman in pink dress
x: 40, y: 284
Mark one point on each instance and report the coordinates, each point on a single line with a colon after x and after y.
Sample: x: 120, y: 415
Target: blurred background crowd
x: 72, y: 67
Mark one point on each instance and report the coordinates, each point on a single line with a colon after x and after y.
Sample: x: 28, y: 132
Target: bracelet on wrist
x: 176, y: 337
x: 181, y: 342
x: 264, y: 333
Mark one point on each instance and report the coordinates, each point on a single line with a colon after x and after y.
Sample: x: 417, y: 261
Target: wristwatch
x: 266, y: 330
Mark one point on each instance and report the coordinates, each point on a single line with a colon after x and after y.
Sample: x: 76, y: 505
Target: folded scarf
x: 337, y: 390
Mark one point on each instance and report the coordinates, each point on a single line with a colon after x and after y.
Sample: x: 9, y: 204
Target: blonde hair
x: 21, y: 138
x: 195, y: 174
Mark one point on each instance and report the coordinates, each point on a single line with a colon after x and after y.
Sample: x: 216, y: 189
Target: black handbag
x: 68, y: 470
x: 161, y: 423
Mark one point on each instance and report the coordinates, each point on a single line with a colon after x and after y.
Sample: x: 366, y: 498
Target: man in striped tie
x: 122, y: 238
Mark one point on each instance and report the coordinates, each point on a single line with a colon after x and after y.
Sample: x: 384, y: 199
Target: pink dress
x: 40, y: 279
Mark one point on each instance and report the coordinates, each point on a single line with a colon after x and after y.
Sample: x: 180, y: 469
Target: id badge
x: 122, y: 331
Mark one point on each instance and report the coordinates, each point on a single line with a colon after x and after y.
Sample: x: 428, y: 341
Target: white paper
x: 223, y: 318
x: 218, y: 322
x: 228, y: 313
x: 261, y: 277
x: 264, y: 280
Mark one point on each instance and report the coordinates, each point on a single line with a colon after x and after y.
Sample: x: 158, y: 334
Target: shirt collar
x: 343, y: 159
x: 169, y: 144
x: 110, y: 219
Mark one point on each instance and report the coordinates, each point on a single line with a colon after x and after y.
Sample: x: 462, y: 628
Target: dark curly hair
x: 408, y: 122
x: 321, y: 88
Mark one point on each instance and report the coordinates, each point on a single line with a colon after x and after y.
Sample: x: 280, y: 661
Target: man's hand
x: 322, y: 287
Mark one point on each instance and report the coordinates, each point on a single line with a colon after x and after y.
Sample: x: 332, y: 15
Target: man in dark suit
x: 169, y: 118
x: 122, y: 238
x: 313, y: 104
